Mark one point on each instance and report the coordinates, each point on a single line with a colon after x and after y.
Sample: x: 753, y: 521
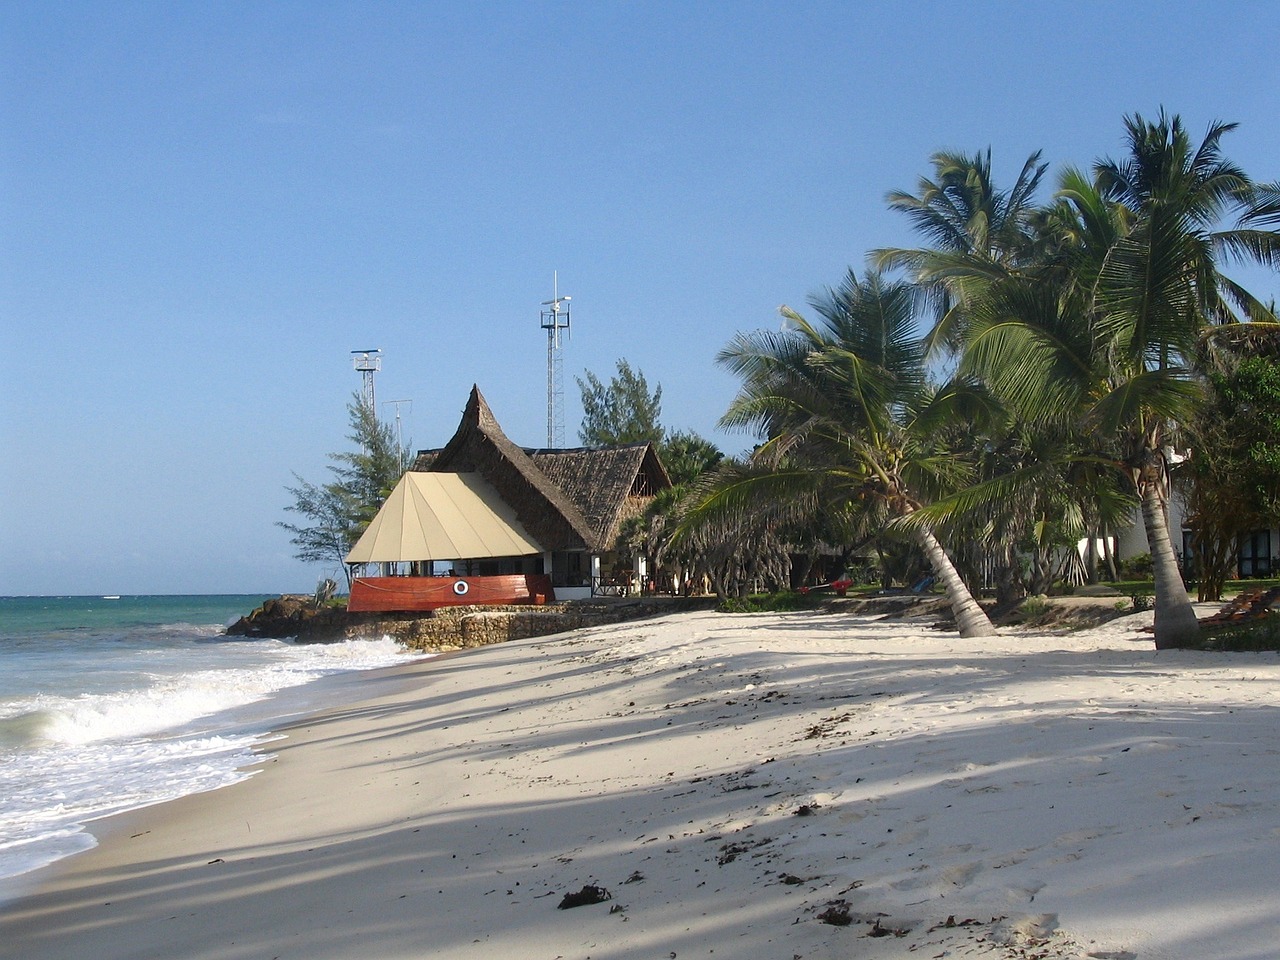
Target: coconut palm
x: 847, y: 421
x: 988, y: 245
x: 1103, y: 336
x: 975, y: 232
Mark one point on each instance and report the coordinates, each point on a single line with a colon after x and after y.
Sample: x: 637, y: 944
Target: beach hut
x: 513, y: 524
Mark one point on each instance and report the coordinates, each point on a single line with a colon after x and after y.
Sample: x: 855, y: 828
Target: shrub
x: 1142, y: 601
x: 1137, y: 567
x: 781, y: 601
x: 1257, y: 636
x: 1034, y: 606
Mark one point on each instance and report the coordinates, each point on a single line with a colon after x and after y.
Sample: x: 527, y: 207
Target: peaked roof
x: 442, y: 516
x: 480, y: 446
x: 569, y: 499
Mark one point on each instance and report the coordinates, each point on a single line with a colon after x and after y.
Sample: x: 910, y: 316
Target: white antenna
x: 367, y: 362
x: 396, y: 404
x: 555, y: 317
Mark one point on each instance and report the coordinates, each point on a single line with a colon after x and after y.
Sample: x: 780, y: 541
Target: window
x: 566, y: 569
x: 1190, y: 554
x: 1255, y: 554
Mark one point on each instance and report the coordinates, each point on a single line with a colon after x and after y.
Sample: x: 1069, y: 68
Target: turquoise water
x: 112, y: 704
x: 35, y: 615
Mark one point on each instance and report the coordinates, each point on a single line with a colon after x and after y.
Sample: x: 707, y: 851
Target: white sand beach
x: 735, y: 783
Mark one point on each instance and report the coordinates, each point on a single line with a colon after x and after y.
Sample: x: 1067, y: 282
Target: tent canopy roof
x: 442, y: 516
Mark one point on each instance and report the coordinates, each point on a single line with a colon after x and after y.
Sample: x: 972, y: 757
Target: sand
x: 783, y: 786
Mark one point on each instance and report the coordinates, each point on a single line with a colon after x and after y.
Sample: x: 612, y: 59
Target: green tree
x: 1101, y: 333
x: 334, y: 514
x: 848, y: 422
x: 980, y: 237
x: 1232, y: 478
x: 688, y: 456
x: 622, y: 411
x: 976, y: 235
x: 326, y: 531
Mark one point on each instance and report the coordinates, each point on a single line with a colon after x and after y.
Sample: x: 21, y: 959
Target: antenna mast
x: 367, y: 363
x: 396, y: 404
x: 555, y: 317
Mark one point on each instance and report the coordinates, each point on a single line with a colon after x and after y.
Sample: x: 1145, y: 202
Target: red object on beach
x: 408, y: 594
x: 839, y: 586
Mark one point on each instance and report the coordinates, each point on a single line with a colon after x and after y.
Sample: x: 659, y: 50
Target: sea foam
x: 160, y: 714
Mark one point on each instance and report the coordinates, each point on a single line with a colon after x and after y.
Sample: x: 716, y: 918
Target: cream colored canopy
x: 442, y: 516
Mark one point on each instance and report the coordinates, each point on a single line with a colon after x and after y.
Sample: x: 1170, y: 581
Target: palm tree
x: 976, y: 234
x: 847, y: 421
x: 1103, y: 333
x: 983, y: 240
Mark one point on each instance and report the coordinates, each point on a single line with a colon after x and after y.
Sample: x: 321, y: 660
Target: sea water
x: 113, y: 703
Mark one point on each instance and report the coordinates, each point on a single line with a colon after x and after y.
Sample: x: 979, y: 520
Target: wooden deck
x: 410, y: 594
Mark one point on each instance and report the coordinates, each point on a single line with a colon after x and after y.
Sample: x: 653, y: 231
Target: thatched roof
x: 567, y: 499
x: 605, y: 483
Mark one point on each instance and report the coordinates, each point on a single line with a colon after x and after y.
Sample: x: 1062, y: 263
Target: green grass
x: 1252, y: 637
x: 1229, y: 589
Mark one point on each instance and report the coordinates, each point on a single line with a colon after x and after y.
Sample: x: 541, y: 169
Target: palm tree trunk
x: 1175, y: 618
x: 970, y: 618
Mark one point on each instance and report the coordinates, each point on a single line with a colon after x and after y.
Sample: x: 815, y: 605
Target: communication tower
x: 555, y: 318
x: 367, y: 363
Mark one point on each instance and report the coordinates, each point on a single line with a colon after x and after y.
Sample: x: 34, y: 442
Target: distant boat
x: 116, y: 597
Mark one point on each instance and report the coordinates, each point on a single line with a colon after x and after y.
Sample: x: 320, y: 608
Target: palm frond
x: 1161, y: 394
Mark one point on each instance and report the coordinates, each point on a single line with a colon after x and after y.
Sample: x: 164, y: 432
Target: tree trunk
x: 1108, y: 555
x: 1175, y: 618
x: 970, y: 618
x: 1010, y: 587
x: 886, y: 581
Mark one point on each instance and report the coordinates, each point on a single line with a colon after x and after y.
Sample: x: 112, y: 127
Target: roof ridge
x: 477, y: 417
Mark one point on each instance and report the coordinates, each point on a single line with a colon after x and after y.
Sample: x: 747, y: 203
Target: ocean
x: 113, y: 703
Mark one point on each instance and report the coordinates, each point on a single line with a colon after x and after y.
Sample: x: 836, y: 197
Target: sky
x: 204, y: 208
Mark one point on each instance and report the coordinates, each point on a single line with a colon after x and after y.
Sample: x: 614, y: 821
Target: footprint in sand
x: 1083, y: 836
x: 1013, y: 859
x: 1025, y: 893
x: 961, y: 875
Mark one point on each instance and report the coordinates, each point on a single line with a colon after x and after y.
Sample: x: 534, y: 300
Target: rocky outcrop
x: 294, y: 616
x: 449, y: 628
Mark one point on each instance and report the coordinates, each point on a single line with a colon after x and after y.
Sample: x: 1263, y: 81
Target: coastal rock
x: 449, y: 628
x: 293, y: 615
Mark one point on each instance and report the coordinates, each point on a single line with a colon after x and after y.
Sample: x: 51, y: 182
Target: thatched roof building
x: 571, y: 501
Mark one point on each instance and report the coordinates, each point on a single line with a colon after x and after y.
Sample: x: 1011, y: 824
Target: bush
x: 1034, y: 606
x: 1256, y: 637
x: 779, y: 602
x: 1142, y: 601
x: 1138, y: 567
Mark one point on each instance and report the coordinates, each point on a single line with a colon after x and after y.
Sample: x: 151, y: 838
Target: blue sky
x: 205, y: 207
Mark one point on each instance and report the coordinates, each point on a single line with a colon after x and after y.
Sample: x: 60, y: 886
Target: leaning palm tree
x: 1107, y: 342
x: 847, y: 421
x: 983, y: 242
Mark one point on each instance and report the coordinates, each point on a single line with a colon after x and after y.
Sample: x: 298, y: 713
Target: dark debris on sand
x: 588, y: 895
